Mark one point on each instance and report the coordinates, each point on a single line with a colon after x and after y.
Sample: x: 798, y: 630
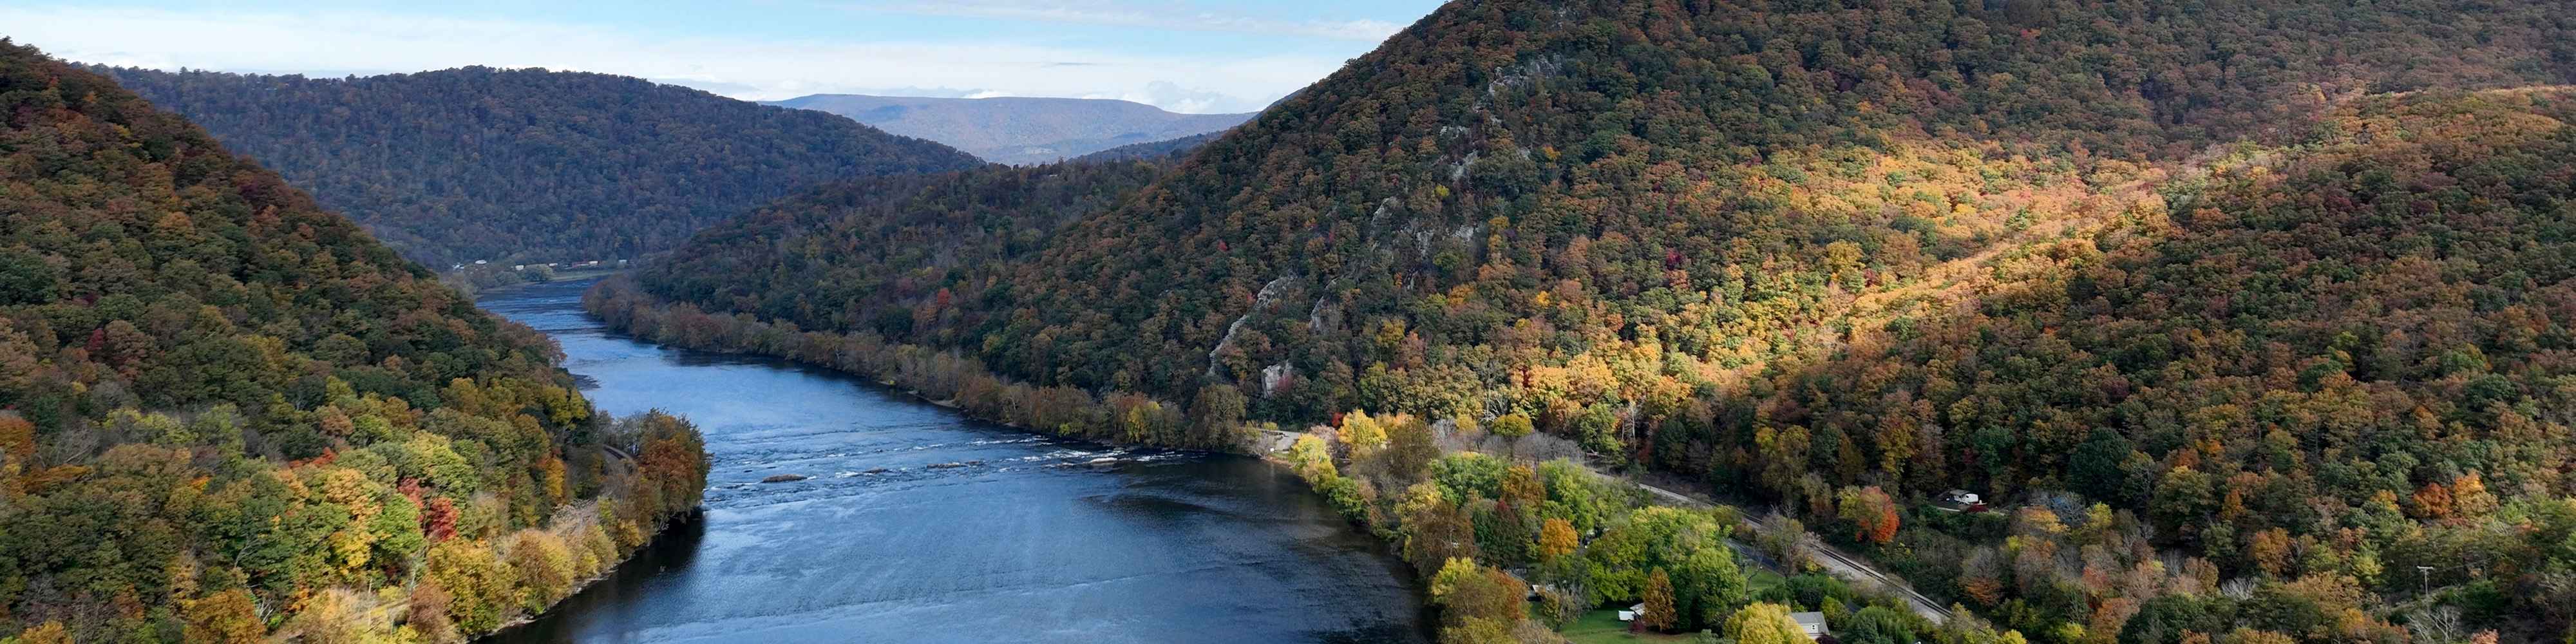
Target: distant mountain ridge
x: 1019, y: 130
x: 528, y: 165
x: 1151, y: 151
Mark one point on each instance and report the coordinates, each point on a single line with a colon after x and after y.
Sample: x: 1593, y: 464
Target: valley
x: 1500, y: 322
x: 1024, y: 537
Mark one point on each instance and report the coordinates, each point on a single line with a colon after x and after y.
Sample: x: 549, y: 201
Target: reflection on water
x: 919, y: 525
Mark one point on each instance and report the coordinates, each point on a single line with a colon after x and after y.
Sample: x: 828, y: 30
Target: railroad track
x: 1834, y: 560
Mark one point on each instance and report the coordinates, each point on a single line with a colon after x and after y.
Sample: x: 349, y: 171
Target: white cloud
x: 1179, y: 99
x: 339, y: 42
x: 1128, y: 13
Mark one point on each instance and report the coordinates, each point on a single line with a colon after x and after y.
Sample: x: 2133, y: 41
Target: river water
x: 1025, y: 542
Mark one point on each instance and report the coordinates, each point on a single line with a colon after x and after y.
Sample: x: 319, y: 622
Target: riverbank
x: 488, y: 283
x: 918, y: 523
x: 693, y: 516
x: 949, y: 380
x: 1212, y: 422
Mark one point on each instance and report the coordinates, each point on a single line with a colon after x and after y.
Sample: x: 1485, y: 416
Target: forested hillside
x: 528, y: 165
x: 1150, y: 151
x: 1019, y: 130
x: 859, y: 254
x: 2253, y: 277
x: 2337, y: 369
x: 228, y: 415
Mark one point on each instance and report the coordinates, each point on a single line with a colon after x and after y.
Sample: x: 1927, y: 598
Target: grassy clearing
x: 1603, y: 626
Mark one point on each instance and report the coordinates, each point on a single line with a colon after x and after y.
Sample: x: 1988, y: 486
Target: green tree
x: 1216, y: 414
x: 1876, y: 625
x: 2165, y: 619
x: 25, y: 277
x: 2095, y: 469
x: 1711, y: 585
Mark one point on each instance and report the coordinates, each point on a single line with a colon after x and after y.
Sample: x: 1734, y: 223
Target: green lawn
x: 1600, y: 626
x: 1604, y: 626
x: 1757, y: 580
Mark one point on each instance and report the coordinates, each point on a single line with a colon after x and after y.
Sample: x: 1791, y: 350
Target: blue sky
x: 1183, y: 55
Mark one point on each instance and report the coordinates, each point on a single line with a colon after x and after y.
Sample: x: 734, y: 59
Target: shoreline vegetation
x: 1214, y: 423
x: 605, y: 571
x: 478, y: 281
x: 1485, y: 533
x: 229, y: 415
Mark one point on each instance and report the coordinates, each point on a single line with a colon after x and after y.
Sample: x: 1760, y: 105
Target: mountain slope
x: 1703, y: 236
x: 226, y: 413
x: 1713, y: 176
x: 1152, y: 151
x: 529, y: 165
x: 1019, y: 130
x: 893, y: 254
x: 2337, y: 362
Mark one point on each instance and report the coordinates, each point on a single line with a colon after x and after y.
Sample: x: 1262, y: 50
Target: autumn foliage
x: 228, y: 415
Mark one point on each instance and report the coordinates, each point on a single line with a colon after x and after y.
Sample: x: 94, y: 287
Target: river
x: 1024, y: 543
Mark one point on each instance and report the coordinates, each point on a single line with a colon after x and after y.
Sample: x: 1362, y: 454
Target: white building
x: 1813, y: 624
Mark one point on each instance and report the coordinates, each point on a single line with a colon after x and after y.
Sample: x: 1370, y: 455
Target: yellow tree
x: 1362, y: 433
x: 1764, y: 623
x: 1313, y: 460
x: 2469, y: 496
x: 1556, y: 539
x: 230, y: 616
x: 46, y: 633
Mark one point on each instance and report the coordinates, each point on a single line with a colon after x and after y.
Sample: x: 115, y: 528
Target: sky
x: 1200, y: 56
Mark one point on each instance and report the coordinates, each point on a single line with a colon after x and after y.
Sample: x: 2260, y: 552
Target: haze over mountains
x: 1019, y: 130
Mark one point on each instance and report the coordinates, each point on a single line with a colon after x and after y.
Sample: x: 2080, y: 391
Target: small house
x: 1813, y: 624
x: 1962, y: 501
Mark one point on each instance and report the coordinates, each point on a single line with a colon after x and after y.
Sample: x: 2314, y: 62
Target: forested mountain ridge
x: 1679, y: 177
x: 529, y: 165
x: 1505, y: 146
x: 873, y: 248
x: 2321, y: 368
x: 1843, y: 256
x: 1019, y: 130
x: 1152, y: 150
x: 227, y: 414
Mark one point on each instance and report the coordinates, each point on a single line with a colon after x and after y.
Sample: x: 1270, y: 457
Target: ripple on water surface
x: 917, y: 525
